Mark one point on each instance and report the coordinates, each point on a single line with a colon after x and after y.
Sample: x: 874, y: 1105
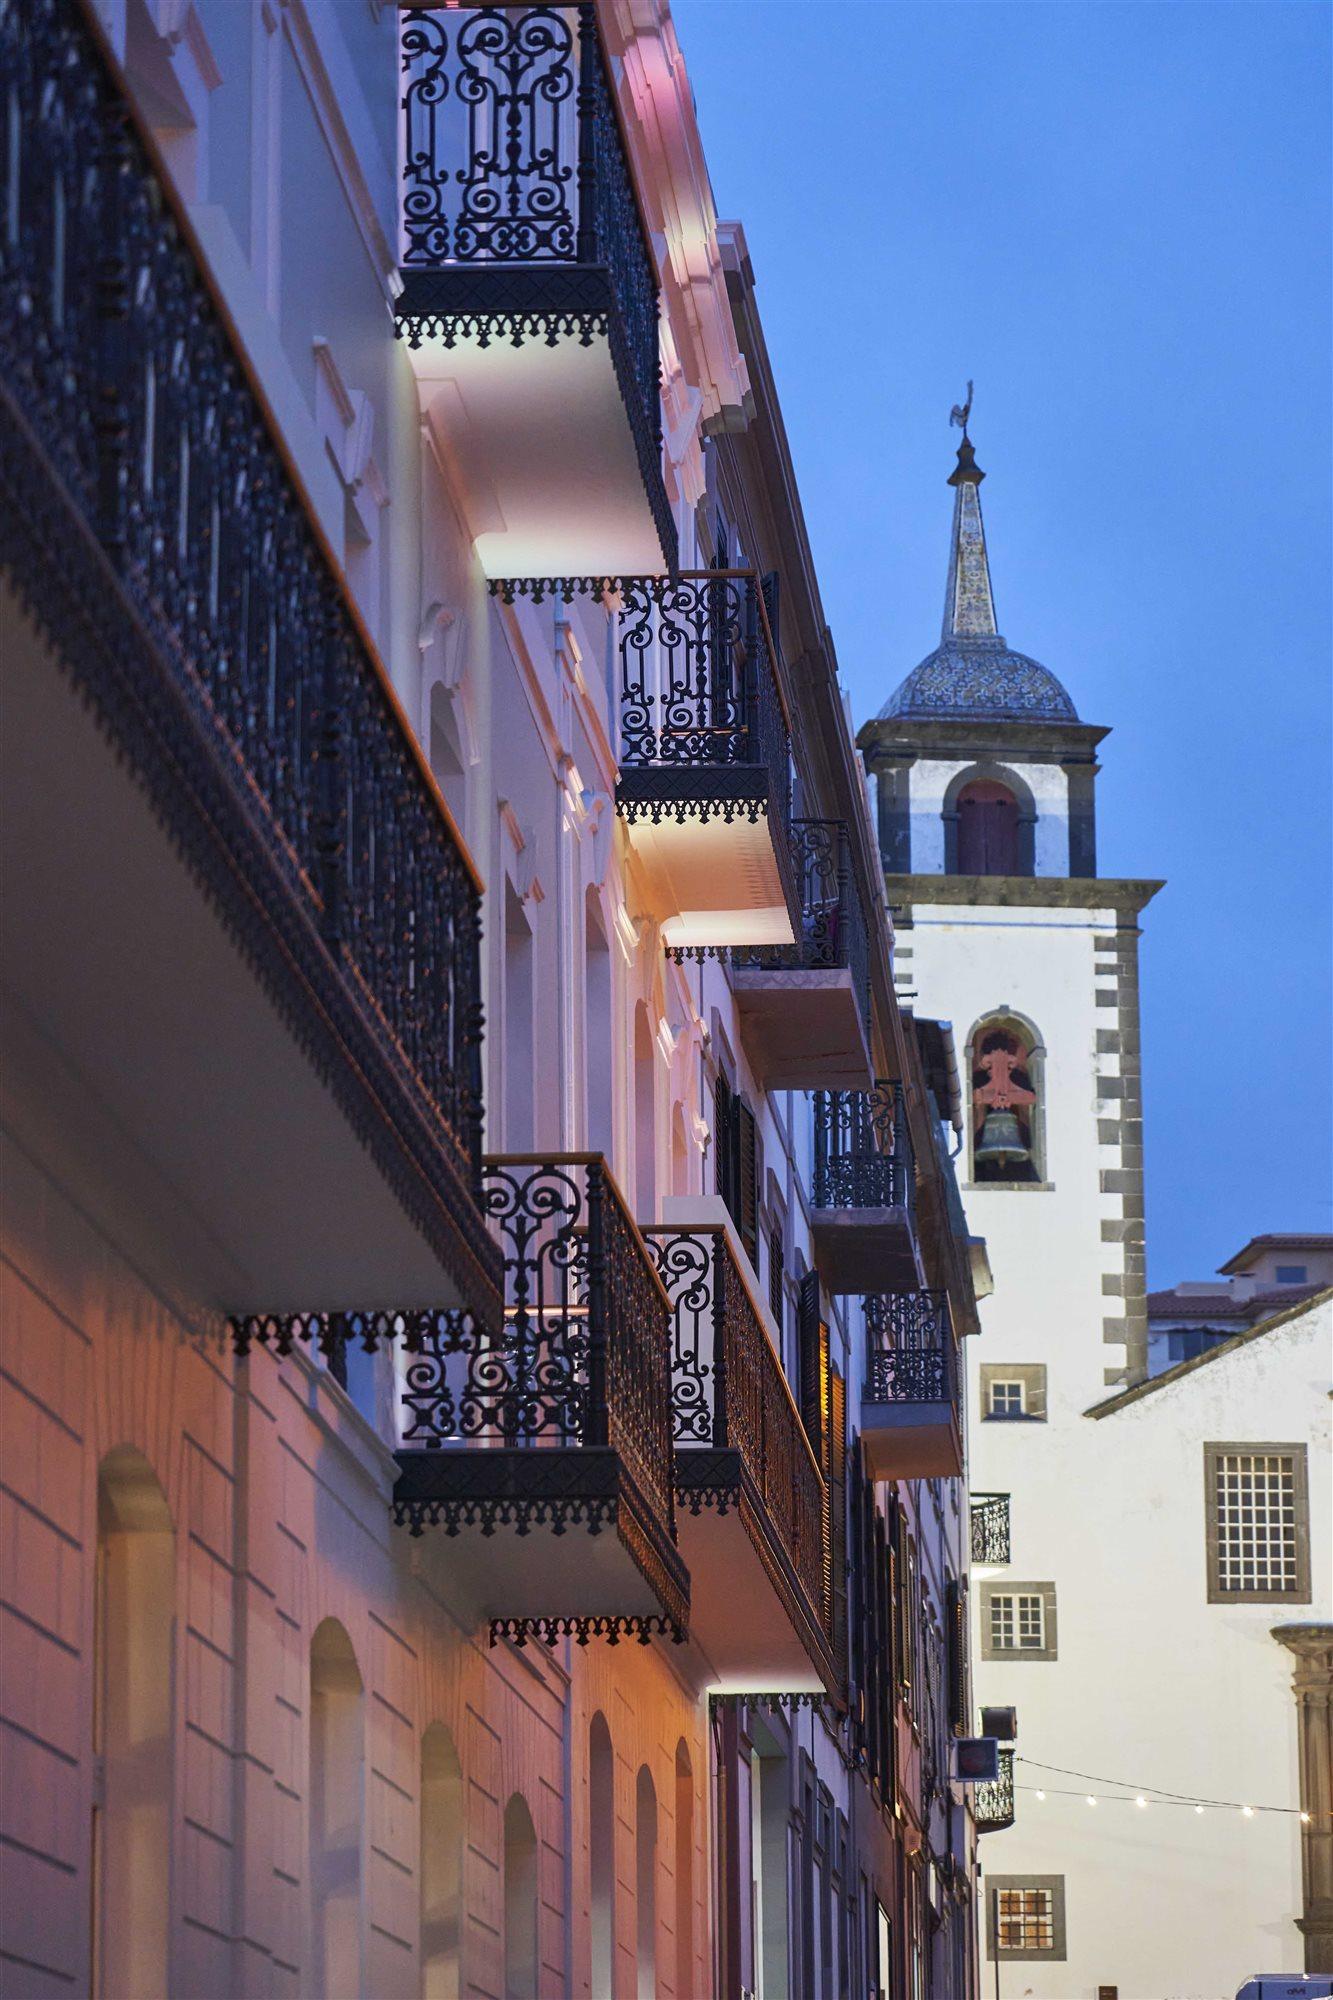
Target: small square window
x: 1018, y: 1621
x: 1290, y: 1274
x: 1013, y: 1392
x: 1025, y: 1916
x: 1006, y: 1399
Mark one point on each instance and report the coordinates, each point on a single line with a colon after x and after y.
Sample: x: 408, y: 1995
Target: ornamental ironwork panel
x: 513, y: 157
x: 833, y: 919
x: 910, y: 1337
x: 249, y: 679
x: 583, y: 1357
x: 699, y: 682
x: 863, y: 1152
x: 990, y: 1528
x: 729, y: 1393
x: 993, y: 1800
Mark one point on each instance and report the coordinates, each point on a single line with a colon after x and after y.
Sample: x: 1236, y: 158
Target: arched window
x: 602, y: 1856
x: 336, y: 1811
x: 599, y: 1038
x: 645, y: 1882
x: 987, y: 829
x: 441, y: 1866
x: 684, y: 1831
x: 520, y: 1901
x: 1007, y: 1123
x: 132, y: 1728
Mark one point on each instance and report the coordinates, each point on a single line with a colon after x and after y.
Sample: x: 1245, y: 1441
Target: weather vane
x: 960, y: 412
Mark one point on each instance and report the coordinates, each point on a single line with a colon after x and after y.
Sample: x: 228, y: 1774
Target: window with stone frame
x: 1018, y: 1621
x: 1013, y: 1392
x: 1025, y: 1916
x: 1258, y: 1523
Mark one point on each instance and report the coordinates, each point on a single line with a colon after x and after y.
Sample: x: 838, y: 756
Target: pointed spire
x: 969, y: 606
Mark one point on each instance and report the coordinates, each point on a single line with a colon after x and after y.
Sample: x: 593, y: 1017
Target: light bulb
x: 1248, y: 1811
x: 1041, y: 1795
x: 1091, y: 1800
x: 1140, y: 1802
x: 1305, y: 1819
x: 1198, y: 1808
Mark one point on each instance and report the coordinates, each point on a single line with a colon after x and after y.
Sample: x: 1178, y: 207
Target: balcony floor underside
x: 865, y: 1250
x: 712, y: 855
x: 803, y: 1030
x: 749, y: 1613
x: 911, y: 1440
x: 546, y: 1538
x: 215, y: 1096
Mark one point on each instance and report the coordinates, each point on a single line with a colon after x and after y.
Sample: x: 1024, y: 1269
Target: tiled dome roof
x: 981, y: 679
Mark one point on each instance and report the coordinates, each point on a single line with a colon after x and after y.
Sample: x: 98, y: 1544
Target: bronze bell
x: 1001, y: 1142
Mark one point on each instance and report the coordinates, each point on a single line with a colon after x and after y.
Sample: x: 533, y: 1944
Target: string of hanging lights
x: 1143, y: 1796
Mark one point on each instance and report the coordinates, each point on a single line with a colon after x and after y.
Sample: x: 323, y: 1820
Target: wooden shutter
x: 960, y: 1701
x: 810, y: 1388
x: 723, y: 1138
x: 746, y: 1211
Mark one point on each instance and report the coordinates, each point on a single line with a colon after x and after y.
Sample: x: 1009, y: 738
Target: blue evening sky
x: 1116, y: 218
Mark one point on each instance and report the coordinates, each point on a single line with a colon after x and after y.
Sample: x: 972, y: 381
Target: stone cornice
x: 1024, y: 892
x: 950, y: 737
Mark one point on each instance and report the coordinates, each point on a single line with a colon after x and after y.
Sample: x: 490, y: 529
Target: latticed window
x: 1025, y: 1919
x: 1017, y: 1622
x: 1006, y: 1399
x: 1257, y: 1507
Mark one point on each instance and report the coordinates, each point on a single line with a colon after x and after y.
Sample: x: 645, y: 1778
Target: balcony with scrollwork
x: 529, y: 296
x: 540, y: 1445
x: 805, y: 1007
x: 241, y: 932
x: 863, y: 1191
x: 990, y: 1528
x: 705, y: 760
x: 750, y: 1497
x: 910, y: 1422
x: 993, y: 1801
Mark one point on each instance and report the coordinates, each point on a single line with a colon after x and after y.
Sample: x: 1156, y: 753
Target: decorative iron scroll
x: 990, y: 1528
x: 993, y: 1800
x: 910, y: 1339
x: 863, y: 1153
x: 513, y: 157
x: 729, y: 1395
x: 247, y: 681
x: 583, y: 1356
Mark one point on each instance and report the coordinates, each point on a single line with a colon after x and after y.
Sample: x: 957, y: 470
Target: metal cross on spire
x: 960, y: 413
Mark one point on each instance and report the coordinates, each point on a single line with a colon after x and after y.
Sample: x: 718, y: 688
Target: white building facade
x: 1091, y: 1587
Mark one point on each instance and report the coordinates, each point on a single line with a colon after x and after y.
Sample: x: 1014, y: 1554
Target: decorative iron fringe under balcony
x: 150, y: 527
x: 994, y: 1799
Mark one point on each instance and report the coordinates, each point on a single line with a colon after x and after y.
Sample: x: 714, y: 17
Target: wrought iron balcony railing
x: 740, y: 1441
x: 910, y: 1358
x: 863, y: 1152
x: 833, y: 924
x: 993, y: 1801
x: 704, y: 729
x: 990, y: 1528
x: 579, y: 1371
x: 158, y: 539
x: 520, y: 215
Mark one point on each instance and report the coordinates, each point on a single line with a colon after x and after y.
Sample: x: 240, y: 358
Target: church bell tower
x: 984, y: 779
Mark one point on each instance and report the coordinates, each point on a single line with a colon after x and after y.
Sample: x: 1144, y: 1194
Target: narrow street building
x: 485, y: 1289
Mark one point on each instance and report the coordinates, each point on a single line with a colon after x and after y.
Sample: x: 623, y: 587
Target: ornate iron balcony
x: 520, y: 217
x: 559, y: 1415
x: 833, y: 924
x: 153, y: 531
x: 742, y: 1454
x: 990, y: 1528
x: 993, y: 1802
x: 863, y: 1153
x: 910, y: 1357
